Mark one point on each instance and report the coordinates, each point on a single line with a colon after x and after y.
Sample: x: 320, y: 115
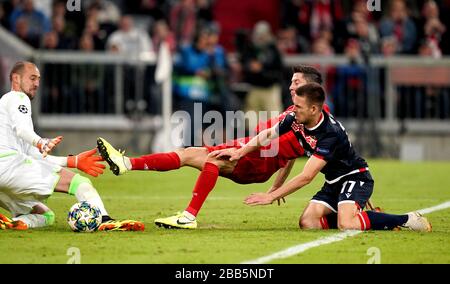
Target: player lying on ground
x: 251, y: 169
x: 28, y: 175
x: 348, y: 183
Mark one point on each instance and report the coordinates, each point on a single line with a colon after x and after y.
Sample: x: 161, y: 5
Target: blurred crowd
x: 322, y: 27
x: 204, y: 69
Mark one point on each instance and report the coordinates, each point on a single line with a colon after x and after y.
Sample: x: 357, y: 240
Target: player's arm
x: 281, y: 177
x: 87, y: 161
x: 312, y: 167
x: 19, y: 110
x: 262, y: 139
x: 265, y: 137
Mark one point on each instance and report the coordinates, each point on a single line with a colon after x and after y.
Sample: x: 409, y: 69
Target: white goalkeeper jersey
x: 15, y: 118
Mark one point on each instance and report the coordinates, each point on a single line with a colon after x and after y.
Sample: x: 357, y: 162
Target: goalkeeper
x: 28, y: 175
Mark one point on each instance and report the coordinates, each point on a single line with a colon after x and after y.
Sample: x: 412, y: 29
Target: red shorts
x: 252, y: 168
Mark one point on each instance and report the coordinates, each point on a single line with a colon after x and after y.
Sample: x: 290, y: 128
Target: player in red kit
x: 257, y: 167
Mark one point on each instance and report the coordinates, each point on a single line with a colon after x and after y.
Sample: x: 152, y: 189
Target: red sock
x: 364, y: 221
x: 324, y: 223
x: 156, y: 162
x: 205, y: 183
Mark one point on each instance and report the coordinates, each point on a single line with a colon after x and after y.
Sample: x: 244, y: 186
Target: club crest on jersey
x: 23, y: 109
x: 311, y: 140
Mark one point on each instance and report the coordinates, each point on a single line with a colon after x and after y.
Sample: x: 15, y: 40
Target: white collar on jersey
x: 322, y: 118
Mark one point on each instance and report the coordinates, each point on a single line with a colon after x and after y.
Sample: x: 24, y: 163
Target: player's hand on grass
x: 232, y: 153
x: 87, y: 162
x: 273, y: 188
x: 46, y: 145
x: 260, y: 198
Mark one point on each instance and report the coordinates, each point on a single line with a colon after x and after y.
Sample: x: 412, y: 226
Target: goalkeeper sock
x: 380, y: 221
x: 83, y: 190
x: 156, y: 162
x: 37, y: 220
x: 205, y: 183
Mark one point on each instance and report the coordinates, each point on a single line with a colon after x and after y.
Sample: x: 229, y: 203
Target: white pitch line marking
x: 327, y: 240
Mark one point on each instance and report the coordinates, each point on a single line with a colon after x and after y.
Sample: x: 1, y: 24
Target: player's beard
x: 29, y: 92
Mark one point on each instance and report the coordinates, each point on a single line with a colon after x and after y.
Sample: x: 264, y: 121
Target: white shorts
x: 25, y: 182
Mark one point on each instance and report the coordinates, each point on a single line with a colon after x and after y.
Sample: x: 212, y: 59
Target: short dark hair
x: 311, y: 74
x: 313, y: 92
x: 17, y: 69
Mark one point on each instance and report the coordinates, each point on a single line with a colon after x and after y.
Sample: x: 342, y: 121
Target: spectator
x: 22, y: 29
x: 45, y: 6
x: 6, y: 9
x: 50, y: 40
x: 289, y: 42
x: 431, y: 28
x: 90, y: 78
x: 99, y: 36
x: 366, y: 34
x: 431, y: 96
x: 128, y: 39
x: 194, y: 61
x: 107, y: 11
x: 192, y: 74
x: 74, y: 22
x: 400, y: 25
x: 59, y: 27
x: 433, y: 33
x: 86, y: 43
x: 225, y: 100
x: 312, y: 16
x: 38, y: 23
x: 263, y: 69
x: 389, y: 46
x: 361, y: 27
x: 322, y: 46
x: 162, y: 33
x: 183, y: 21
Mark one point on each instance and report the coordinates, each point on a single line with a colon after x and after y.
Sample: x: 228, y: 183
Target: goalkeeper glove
x: 46, y: 145
x: 87, y: 162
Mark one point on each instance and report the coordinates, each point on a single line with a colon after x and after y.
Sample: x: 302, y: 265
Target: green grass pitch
x: 231, y: 232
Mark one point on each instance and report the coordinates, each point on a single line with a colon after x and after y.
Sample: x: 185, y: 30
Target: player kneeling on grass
x: 348, y: 183
x: 28, y: 175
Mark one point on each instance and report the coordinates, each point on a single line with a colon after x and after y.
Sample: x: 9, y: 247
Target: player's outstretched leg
x: 187, y: 219
x: 351, y: 218
x: 206, y: 181
x: 116, y: 160
x: 120, y: 164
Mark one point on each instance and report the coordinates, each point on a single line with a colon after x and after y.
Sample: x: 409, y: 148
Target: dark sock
x: 383, y: 221
x: 332, y: 220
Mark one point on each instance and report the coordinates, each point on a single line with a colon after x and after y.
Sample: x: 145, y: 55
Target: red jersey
x: 271, y: 122
x: 254, y: 167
